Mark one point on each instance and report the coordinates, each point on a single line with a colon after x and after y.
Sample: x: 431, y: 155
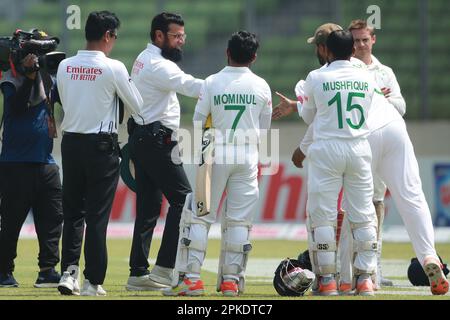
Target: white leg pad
x: 322, y: 248
x: 235, y: 249
x: 365, y: 248
x: 193, y: 243
x: 325, y: 246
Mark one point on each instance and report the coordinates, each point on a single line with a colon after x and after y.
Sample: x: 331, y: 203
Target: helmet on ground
x: 291, y: 280
x: 304, y: 260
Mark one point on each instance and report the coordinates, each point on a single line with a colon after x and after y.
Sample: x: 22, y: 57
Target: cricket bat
x: 204, y: 172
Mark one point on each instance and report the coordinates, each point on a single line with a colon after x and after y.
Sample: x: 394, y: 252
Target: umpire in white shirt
x: 90, y: 85
x: 151, y: 141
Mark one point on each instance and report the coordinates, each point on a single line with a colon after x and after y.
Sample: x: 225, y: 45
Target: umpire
x: 90, y: 85
x: 152, y: 141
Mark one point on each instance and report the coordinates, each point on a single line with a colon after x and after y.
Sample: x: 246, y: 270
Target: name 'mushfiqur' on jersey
x: 345, y: 85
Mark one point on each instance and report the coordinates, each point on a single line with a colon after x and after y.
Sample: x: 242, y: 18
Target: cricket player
x: 338, y: 98
x: 413, y: 208
x: 240, y: 106
x: 364, y: 37
x: 394, y: 162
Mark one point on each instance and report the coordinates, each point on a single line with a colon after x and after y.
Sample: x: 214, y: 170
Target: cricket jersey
x: 339, y: 98
x: 385, y: 78
x: 240, y: 104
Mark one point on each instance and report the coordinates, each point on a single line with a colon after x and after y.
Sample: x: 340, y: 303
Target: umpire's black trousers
x: 90, y: 174
x: 156, y: 174
x: 26, y: 186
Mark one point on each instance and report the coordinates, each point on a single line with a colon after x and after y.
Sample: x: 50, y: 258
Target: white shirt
x: 239, y: 101
x: 158, y: 80
x: 88, y: 86
x: 384, y: 110
x: 338, y: 98
x: 385, y: 77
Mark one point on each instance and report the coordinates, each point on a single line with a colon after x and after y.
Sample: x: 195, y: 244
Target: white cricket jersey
x: 159, y: 80
x: 384, y: 110
x: 385, y: 78
x: 338, y: 98
x: 239, y: 102
x: 88, y: 86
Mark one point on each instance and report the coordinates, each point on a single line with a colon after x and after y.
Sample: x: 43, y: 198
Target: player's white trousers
x: 395, y: 162
x: 379, y: 188
x: 393, y: 159
x: 239, y: 180
x: 334, y: 164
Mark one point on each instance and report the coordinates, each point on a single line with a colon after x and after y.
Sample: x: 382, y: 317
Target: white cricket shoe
x: 68, y: 285
x: 161, y: 275
x: 144, y: 283
x: 92, y: 289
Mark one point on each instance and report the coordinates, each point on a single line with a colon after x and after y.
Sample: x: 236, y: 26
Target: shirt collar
x: 375, y: 63
x: 236, y: 69
x: 91, y: 53
x: 339, y: 63
x: 153, y: 49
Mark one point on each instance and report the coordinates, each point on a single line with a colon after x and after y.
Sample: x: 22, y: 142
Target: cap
x: 322, y: 33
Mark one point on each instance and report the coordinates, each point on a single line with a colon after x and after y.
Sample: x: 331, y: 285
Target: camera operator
x: 29, y: 175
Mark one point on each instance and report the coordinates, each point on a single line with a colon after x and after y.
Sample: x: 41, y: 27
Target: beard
x: 172, y: 54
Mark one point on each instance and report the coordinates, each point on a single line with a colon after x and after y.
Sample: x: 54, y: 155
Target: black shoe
x: 48, y: 279
x: 7, y: 280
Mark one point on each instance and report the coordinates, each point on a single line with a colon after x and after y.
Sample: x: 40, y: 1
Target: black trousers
x: 156, y: 174
x: 90, y: 171
x: 26, y: 186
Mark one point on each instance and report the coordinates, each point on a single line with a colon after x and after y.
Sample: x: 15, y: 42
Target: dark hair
x: 242, y: 47
x: 340, y: 43
x: 98, y: 23
x: 162, y: 21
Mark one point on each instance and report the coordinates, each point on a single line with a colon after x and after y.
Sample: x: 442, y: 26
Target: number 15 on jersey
x: 350, y: 106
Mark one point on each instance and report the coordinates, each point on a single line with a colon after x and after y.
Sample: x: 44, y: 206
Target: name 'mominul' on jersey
x: 338, y: 98
x: 239, y: 101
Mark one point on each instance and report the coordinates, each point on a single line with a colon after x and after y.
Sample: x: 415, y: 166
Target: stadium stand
x: 282, y: 27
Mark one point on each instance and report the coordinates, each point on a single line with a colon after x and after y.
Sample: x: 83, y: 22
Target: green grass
x: 117, y: 273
